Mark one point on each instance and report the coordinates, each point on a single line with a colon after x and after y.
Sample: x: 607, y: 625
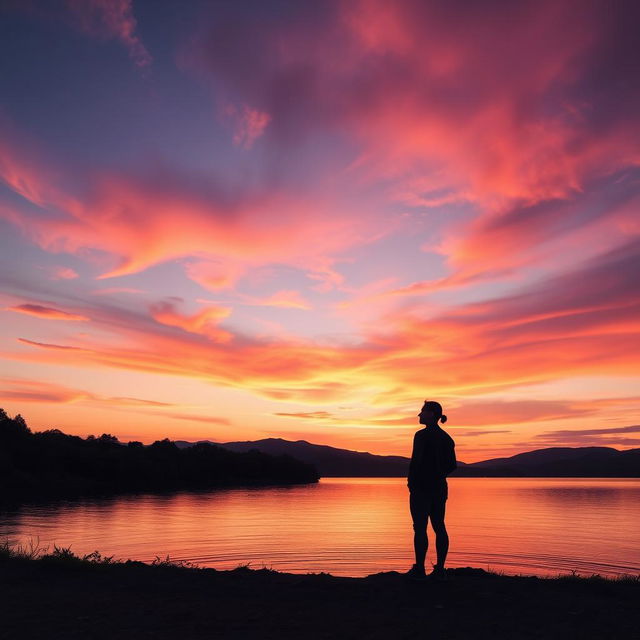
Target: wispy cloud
x: 610, y: 436
x: 204, y: 322
x: 48, y: 313
x: 306, y: 415
x: 228, y: 231
x: 47, y: 345
x: 550, y: 330
x: 47, y: 392
x: 475, y: 433
x: 407, y: 80
x: 198, y: 418
x: 63, y: 273
x: 111, y: 19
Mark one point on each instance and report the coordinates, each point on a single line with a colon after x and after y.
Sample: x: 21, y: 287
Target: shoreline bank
x: 62, y: 596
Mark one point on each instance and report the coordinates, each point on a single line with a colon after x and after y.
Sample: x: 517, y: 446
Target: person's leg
x: 442, y: 537
x: 420, y: 515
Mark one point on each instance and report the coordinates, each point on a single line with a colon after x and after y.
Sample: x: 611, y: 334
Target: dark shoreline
x: 65, y: 597
x: 16, y: 500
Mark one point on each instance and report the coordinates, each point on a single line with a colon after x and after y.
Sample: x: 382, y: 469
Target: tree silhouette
x: 54, y: 464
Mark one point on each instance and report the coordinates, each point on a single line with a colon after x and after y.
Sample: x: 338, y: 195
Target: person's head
x: 431, y: 413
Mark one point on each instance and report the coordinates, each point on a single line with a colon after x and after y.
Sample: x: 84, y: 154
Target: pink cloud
x: 516, y: 110
x: 141, y: 222
x: 503, y: 112
x: 512, y: 130
x: 214, y: 275
x: 458, y: 99
x: 25, y: 171
x: 48, y: 313
x: 63, y: 273
x: 551, y: 231
x: 248, y: 124
x: 111, y: 19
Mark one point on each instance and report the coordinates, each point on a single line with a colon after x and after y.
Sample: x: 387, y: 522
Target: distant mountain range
x: 329, y: 461
x: 583, y: 462
x: 580, y: 462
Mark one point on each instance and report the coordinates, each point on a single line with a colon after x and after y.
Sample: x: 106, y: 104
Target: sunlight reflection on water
x: 356, y: 526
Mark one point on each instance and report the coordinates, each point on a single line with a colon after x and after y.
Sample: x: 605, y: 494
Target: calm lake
x: 357, y: 526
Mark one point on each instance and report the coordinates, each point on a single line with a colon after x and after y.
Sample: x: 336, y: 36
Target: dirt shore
x: 67, y: 600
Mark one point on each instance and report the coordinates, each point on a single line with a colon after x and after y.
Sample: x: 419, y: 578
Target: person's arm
x: 413, y: 464
x: 450, y: 463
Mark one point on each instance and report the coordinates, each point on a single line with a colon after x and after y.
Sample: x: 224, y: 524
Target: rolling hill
x: 552, y: 462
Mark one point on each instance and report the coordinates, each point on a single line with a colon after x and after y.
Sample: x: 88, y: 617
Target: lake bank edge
x: 62, y: 595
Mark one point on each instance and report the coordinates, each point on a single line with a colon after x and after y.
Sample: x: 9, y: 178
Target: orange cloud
x: 135, y: 402
x: 198, y: 418
x: 405, y: 371
x: 205, y: 322
x: 47, y: 392
x: 47, y: 312
x: 306, y: 415
x: 32, y: 391
x: 547, y: 331
x: 286, y: 299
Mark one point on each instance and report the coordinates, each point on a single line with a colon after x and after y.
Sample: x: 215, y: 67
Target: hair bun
x: 443, y: 419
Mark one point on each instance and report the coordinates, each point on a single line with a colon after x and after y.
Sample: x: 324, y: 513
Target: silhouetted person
x: 433, y: 458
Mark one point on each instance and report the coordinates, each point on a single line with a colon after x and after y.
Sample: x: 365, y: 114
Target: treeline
x: 53, y: 464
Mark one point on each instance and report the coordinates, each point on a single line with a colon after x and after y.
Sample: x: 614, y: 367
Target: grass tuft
x: 168, y: 562
x: 31, y: 550
x: 596, y: 577
x: 64, y: 555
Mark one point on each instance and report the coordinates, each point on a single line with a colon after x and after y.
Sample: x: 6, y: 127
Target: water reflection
x: 356, y: 526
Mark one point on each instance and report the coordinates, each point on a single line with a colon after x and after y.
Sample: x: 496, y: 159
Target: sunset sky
x: 237, y: 220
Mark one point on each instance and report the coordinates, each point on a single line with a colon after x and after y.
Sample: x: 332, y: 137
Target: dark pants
x: 429, y: 504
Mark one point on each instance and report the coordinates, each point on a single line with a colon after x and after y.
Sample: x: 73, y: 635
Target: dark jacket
x: 433, y: 458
